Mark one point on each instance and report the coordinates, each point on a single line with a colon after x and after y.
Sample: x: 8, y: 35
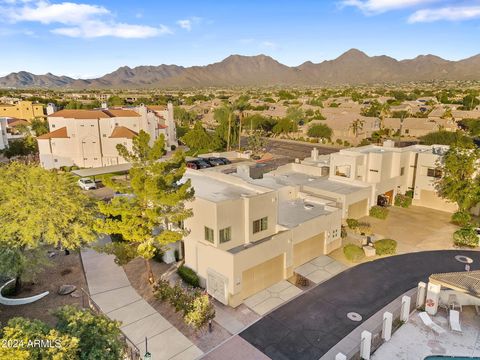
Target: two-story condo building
x: 246, y: 236
x: 88, y: 138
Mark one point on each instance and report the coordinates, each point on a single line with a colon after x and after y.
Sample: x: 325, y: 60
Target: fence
x: 374, y: 325
x: 132, y: 352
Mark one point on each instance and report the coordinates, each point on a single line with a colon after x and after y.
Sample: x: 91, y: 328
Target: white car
x: 87, y: 184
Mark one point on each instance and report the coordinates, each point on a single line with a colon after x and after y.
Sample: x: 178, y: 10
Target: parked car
x: 86, y: 184
x: 198, y: 164
x: 192, y: 165
x: 214, y: 161
x: 225, y: 160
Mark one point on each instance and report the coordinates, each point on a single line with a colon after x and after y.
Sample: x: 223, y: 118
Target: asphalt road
x: 308, y: 326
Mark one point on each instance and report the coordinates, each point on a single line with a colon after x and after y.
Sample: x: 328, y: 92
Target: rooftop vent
x: 308, y: 206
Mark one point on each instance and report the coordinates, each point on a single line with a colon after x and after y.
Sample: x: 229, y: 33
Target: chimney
x: 104, y: 105
x: 315, y: 154
x: 244, y: 172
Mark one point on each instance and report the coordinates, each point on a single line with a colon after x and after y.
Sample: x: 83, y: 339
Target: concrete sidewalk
x: 110, y: 288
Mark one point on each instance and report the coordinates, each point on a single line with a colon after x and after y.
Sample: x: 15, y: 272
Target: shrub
x: 466, y: 236
x: 403, y: 201
x: 379, y: 212
x: 409, y: 193
x: 385, y: 247
x: 461, y: 218
x: 189, y: 276
x: 343, y: 232
x: 162, y: 290
x: 353, y: 252
x: 352, y: 223
x: 201, y: 312
x: 364, y: 228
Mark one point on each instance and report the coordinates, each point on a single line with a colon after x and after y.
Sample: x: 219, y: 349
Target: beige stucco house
x: 247, y: 234
x: 88, y: 138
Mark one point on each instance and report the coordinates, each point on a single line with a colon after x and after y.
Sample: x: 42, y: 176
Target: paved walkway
x: 110, y: 288
x: 311, y: 324
x: 320, y: 269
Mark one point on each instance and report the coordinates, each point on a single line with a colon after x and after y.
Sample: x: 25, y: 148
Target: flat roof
x: 295, y: 212
x: 319, y: 182
x: 216, y: 190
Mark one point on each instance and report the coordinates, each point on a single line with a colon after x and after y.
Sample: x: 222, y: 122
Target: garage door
x: 358, y: 209
x: 308, y: 249
x: 430, y: 199
x: 262, y: 276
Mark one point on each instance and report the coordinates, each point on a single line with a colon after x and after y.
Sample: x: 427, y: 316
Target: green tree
x: 356, y: 126
x: 24, y: 147
x: 470, y: 102
x: 460, y: 181
x: 295, y: 114
x: 256, y: 141
x: 39, y: 126
x: 21, y: 330
x: 321, y: 131
x: 240, y: 106
x: 444, y: 137
x: 284, y: 126
x: 227, y: 129
x: 115, y: 100
x: 98, y: 336
x: 183, y: 116
x: 157, y: 201
x: 201, y: 312
x: 200, y: 141
x: 40, y: 207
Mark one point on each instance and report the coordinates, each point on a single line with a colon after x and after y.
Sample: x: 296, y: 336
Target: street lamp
x: 147, y: 355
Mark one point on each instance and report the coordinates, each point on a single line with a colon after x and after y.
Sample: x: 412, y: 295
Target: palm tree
x: 356, y: 126
x: 240, y: 106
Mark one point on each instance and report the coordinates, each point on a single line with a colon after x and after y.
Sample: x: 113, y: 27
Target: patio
x: 415, y: 341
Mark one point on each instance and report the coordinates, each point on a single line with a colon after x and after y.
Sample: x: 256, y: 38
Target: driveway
x: 309, y: 325
x: 416, y: 228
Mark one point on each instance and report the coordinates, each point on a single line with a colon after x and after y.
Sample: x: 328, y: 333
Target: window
x: 53, y: 126
x: 225, y: 235
x: 342, y: 170
x: 260, y: 225
x: 373, y: 170
x: 402, y: 171
x: 104, y: 135
x: 209, y: 234
x: 435, y: 173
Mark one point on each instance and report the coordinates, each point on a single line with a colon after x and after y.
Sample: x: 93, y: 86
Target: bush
x: 385, y: 247
x: 461, y: 218
x: 409, y: 193
x: 343, y: 232
x: 403, y: 201
x: 353, y: 253
x: 352, y: 223
x: 162, y: 290
x: 466, y: 236
x: 201, y: 312
x: 189, y: 276
x: 379, y: 212
x: 364, y: 228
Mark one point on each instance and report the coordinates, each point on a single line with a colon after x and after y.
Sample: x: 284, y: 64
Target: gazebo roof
x: 464, y: 281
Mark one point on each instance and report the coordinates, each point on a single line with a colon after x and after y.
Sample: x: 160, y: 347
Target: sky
x: 89, y: 38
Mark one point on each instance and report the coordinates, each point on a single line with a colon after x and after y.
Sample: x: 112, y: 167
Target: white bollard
x: 405, y: 312
x: 365, y: 345
x: 387, y: 326
x: 340, y: 356
x: 433, y: 297
x: 421, y: 292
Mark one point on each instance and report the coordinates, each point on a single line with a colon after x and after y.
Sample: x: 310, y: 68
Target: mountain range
x: 352, y: 67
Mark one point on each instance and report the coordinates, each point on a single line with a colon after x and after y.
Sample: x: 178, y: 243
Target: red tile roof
x: 57, y: 134
x: 123, y: 132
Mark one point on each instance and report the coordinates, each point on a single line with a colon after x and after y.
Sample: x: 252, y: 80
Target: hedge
x: 352, y: 223
x: 461, y: 218
x: 379, y: 212
x: 353, y: 252
x: 403, y: 200
x: 385, y: 247
x: 189, y: 276
x: 466, y: 236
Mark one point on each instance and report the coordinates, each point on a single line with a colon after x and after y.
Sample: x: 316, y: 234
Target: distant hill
x: 352, y: 67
